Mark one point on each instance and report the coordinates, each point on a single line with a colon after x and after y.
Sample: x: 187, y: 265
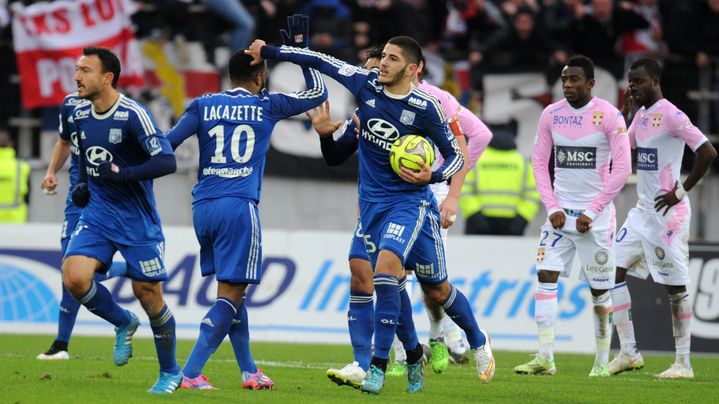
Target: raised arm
x: 286, y: 105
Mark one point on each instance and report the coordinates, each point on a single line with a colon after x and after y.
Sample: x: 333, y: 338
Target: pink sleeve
x: 621, y: 165
x: 477, y: 133
x: 681, y: 126
x: 632, y: 131
x: 541, y: 154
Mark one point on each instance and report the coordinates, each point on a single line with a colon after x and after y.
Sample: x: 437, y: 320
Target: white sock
x: 681, y: 319
x: 622, y: 318
x: 408, y: 284
x: 545, y: 313
x: 399, y: 353
x: 602, y: 325
x: 435, y: 313
x: 453, y: 335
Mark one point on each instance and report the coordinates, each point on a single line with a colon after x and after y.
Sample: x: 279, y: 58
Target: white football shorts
x: 557, y: 248
x: 649, y: 243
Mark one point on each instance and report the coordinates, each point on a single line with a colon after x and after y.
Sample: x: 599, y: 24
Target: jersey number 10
x: 219, y: 133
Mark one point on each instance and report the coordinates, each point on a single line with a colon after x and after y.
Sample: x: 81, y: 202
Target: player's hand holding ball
x: 110, y: 172
x: 80, y: 194
x: 410, y: 158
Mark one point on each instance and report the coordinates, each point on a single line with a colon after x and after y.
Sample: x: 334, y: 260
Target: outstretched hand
x: 297, y: 33
x: 322, y: 121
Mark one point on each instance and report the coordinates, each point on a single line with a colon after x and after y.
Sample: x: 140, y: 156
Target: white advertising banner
x: 304, y: 292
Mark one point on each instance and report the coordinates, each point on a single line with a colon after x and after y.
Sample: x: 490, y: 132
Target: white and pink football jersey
x: 584, y: 142
x: 476, y: 132
x: 659, y: 134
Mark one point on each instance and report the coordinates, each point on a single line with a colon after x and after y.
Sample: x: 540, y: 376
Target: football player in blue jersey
x: 397, y: 211
x: 234, y: 128
x: 65, y: 147
x: 121, y: 151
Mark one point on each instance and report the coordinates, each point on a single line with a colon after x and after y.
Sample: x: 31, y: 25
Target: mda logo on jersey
x: 575, y: 157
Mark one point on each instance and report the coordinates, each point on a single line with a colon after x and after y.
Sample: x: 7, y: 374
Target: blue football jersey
x: 233, y: 128
x: 67, y: 132
x: 127, y: 136
x: 385, y: 118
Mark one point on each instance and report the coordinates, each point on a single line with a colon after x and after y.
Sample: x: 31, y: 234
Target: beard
x: 392, y: 80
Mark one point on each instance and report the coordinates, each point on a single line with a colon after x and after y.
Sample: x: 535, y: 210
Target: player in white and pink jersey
x: 654, y: 238
x: 586, y: 134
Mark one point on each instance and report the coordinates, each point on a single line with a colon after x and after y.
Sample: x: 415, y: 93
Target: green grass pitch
x: 298, y: 371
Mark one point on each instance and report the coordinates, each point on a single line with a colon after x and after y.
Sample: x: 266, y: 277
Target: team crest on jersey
x: 656, y: 120
x: 660, y: 253
x: 601, y: 257
x: 540, y: 255
x: 407, y: 117
x: 115, y: 136
x: 597, y: 118
x: 347, y: 70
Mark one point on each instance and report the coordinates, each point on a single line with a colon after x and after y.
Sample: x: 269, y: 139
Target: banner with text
x: 304, y: 293
x: 49, y: 37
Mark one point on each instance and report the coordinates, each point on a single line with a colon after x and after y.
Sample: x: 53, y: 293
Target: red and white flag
x: 49, y: 38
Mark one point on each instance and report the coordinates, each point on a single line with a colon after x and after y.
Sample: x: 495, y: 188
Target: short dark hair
x: 585, y: 63
x: 650, y: 65
x: 410, y: 48
x: 108, y: 61
x: 241, y: 69
x: 374, y: 53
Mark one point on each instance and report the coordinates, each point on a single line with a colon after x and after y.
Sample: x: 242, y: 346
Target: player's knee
x: 362, y: 276
x: 149, y: 294
x: 621, y: 275
x: 437, y: 293
x: 547, y: 276
x: 73, y: 278
x: 673, y: 290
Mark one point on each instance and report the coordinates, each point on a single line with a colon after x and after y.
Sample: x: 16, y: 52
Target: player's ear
x: 590, y: 83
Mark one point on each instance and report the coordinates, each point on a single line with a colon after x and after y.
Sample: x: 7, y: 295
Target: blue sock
x: 386, y: 314
x: 163, y: 329
x: 68, y: 313
x: 405, y: 328
x: 240, y: 339
x: 360, y: 322
x: 458, y: 309
x: 214, y: 327
x: 99, y: 301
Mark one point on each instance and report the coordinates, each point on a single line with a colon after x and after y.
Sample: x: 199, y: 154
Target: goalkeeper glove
x: 110, y: 172
x: 298, y: 31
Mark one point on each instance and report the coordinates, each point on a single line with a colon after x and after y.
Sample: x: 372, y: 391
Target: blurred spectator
x: 645, y: 42
x: 469, y: 24
x: 241, y: 22
x: 558, y: 17
x: 14, y: 183
x: 511, y: 7
x: 521, y: 47
x: 331, y: 28
x: 499, y: 195
x: 595, y: 32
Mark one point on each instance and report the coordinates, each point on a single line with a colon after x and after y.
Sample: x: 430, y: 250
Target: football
x: 408, y: 151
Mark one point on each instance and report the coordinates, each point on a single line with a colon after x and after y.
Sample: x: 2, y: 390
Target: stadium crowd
x: 485, y: 35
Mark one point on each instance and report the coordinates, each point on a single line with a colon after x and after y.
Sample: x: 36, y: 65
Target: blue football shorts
x: 144, y: 262
x: 68, y: 226
x: 358, y: 249
x: 411, y: 229
x: 228, y: 230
